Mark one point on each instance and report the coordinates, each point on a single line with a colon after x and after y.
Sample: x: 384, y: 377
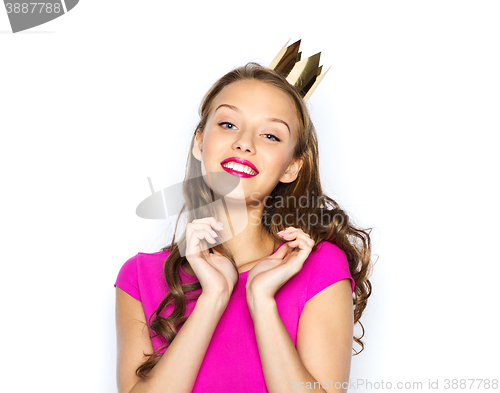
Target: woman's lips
x: 242, y: 161
x: 238, y: 165
x: 237, y: 173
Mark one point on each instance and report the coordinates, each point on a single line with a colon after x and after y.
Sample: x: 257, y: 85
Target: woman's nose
x: 244, y: 142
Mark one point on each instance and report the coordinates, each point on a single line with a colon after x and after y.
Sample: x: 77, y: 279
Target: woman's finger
x: 200, y: 235
x: 203, y: 227
x: 305, y: 242
x: 297, y: 239
x: 281, y: 252
x: 290, y: 234
x: 202, y: 230
x: 210, y: 222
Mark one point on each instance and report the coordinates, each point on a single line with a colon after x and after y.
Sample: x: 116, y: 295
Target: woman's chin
x: 236, y: 197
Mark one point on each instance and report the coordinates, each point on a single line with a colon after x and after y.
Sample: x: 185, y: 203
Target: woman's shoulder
x: 142, y: 263
x: 140, y: 267
x: 327, y: 252
x: 150, y: 262
x: 152, y: 256
x: 327, y: 262
x: 146, y: 259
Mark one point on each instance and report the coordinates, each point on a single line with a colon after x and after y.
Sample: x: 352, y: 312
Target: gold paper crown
x: 304, y: 74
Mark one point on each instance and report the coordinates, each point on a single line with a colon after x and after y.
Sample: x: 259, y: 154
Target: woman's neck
x: 245, y: 255
x: 244, y: 234
x: 248, y: 253
x: 245, y: 237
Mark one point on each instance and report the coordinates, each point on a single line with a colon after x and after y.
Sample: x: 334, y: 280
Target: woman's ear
x: 292, y: 171
x: 197, y: 145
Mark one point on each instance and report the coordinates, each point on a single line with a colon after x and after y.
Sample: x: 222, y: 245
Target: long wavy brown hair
x: 335, y: 226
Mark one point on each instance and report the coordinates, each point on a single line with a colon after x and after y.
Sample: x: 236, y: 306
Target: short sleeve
x: 127, y: 279
x: 329, y: 266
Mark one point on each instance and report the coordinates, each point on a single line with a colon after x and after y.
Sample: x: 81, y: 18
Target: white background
x: 93, y: 103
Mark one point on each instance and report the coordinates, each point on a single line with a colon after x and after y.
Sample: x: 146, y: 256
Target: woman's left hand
x: 269, y: 275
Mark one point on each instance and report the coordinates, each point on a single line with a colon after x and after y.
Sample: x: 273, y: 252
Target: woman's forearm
x: 178, y: 367
x: 280, y: 361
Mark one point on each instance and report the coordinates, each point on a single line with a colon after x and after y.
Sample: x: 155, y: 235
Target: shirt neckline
x: 242, y: 273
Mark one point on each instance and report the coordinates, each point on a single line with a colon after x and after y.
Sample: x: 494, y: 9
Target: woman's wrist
x: 260, y: 304
x: 215, y: 302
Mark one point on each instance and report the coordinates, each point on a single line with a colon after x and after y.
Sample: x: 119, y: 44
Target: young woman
x: 261, y: 292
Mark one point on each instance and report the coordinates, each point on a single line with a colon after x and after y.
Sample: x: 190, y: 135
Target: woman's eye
x: 275, y: 137
x: 230, y: 126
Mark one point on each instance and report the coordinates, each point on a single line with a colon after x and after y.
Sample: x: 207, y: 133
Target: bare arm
x: 322, y: 359
x: 178, y: 368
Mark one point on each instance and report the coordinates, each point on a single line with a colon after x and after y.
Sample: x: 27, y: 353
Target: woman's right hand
x: 215, y: 272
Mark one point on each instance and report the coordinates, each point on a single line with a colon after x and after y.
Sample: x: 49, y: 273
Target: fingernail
x: 279, y: 232
x: 284, y: 234
x: 214, y: 233
x: 221, y: 225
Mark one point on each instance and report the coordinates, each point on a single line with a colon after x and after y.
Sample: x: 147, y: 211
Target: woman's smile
x: 251, y: 133
x: 239, y: 167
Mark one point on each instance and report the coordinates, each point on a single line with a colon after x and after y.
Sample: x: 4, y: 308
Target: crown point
x: 304, y: 74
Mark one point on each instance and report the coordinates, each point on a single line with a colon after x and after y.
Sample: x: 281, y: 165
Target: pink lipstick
x: 239, y: 167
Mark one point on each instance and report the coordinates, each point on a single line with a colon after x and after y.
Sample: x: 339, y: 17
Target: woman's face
x: 252, y: 121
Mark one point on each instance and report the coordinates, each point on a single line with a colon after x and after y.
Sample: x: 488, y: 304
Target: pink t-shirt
x: 232, y: 362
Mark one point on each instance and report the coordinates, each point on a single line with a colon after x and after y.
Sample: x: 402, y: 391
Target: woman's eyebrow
x: 272, y: 119
x: 230, y: 107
